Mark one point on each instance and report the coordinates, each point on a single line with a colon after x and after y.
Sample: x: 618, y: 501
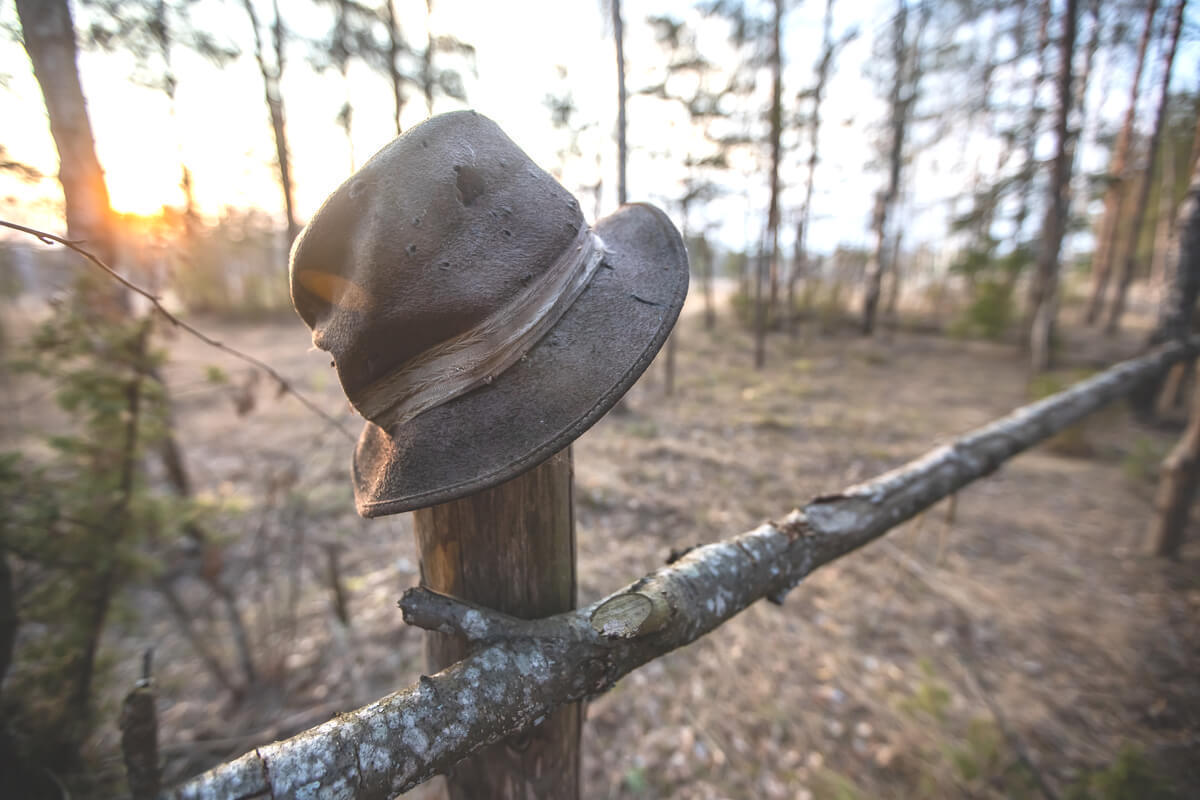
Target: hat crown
x: 440, y: 230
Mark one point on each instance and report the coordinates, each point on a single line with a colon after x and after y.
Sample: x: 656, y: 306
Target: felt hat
x: 475, y: 320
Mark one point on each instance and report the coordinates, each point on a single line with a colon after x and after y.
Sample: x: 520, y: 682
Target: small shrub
x: 831, y: 785
x: 80, y: 522
x: 745, y: 312
x: 635, y: 780
x: 642, y: 429
x: 981, y: 752
x: 831, y: 307
x: 989, y: 314
x: 930, y: 698
x: 233, y: 268
x: 1141, y: 464
x: 1132, y: 776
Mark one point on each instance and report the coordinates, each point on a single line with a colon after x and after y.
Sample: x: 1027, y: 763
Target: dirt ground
x: 1018, y: 634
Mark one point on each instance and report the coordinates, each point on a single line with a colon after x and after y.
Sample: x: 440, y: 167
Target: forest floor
x: 1016, y: 634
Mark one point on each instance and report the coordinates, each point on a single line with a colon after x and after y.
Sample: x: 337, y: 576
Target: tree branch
x: 283, y: 384
x: 523, y: 670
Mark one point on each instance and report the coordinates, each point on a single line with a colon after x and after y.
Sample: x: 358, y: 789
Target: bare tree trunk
x: 272, y: 75
x: 622, y: 406
x: 1114, y: 194
x: 1167, y: 208
x: 49, y: 35
x: 1143, y: 199
x: 776, y: 60
x: 898, y: 112
x: 1178, y: 302
x: 985, y: 199
x: 874, y: 269
x: 759, y: 262
x: 669, y: 357
x: 893, y: 298
x: 797, y: 269
x: 428, y: 81
x: 343, y: 47
x: 1045, y: 291
x: 510, y: 549
x: 162, y: 36
x: 1081, y: 90
x: 1177, y: 489
x: 706, y: 279
x: 394, y: 50
x: 622, y: 154
x: 801, y: 261
x: 1032, y: 127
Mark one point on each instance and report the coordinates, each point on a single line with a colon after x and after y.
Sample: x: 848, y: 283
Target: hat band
x: 476, y: 356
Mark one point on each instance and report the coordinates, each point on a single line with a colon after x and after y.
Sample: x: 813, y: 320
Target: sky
x: 524, y: 49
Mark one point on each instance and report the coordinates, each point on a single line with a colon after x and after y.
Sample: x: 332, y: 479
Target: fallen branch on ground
x: 524, y: 669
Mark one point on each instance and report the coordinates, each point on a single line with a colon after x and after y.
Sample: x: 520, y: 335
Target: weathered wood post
x: 480, y: 326
x: 510, y: 548
x: 1179, y: 476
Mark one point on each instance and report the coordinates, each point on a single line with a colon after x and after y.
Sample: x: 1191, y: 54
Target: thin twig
x: 283, y: 383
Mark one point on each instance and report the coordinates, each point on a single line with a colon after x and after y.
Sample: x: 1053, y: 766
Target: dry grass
x: 873, y: 680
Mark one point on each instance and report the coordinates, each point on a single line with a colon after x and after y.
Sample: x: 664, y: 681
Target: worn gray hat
x: 474, y: 319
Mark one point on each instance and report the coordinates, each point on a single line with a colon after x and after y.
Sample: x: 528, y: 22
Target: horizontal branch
x: 524, y: 669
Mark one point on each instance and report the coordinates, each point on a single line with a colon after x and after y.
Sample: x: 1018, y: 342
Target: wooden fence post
x: 1180, y: 473
x: 512, y: 549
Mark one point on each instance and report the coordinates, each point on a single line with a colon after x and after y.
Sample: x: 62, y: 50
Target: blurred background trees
x: 960, y: 137
x: 957, y: 137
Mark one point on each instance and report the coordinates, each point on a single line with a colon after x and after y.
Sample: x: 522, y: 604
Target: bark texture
x: 1044, y: 295
x: 1179, y: 300
x: 1033, y: 124
x: 395, y: 49
x: 800, y: 262
x: 622, y: 154
x: 1177, y: 489
x: 1117, y: 309
x: 776, y: 120
x: 903, y: 97
x: 512, y: 549
x: 1166, y: 216
x: 1114, y: 194
x: 49, y: 35
x: 272, y: 76
x: 521, y: 670
x: 1183, y: 265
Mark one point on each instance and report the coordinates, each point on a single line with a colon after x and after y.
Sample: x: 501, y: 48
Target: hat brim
x: 563, y: 385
